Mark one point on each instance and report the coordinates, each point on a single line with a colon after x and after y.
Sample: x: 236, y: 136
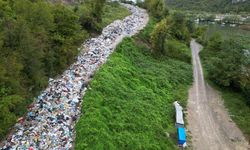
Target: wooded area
x: 38, y: 41
x: 227, y: 63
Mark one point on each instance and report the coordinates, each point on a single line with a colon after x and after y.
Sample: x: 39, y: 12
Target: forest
x: 38, y: 41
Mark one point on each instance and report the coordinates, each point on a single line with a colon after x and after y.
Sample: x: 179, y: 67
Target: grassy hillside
x: 210, y: 5
x: 129, y: 105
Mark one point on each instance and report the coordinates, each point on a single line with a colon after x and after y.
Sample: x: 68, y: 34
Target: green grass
x: 239, y: 111
x: 129, y: 105
x: 236, y: 105
x: 113, y: 11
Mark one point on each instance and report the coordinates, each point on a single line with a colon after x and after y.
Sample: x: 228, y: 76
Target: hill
x: 211, y: 5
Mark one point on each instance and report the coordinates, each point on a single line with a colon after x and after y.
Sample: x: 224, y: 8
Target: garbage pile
x: 50, y: 120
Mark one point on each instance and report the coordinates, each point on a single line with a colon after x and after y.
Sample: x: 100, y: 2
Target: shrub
x: 225, y: 67
x: 158, y: 36
x: 157, y: 8
x: 91, y: 14
x: 11, y: 107
x: 177, y: 50
x: 179, y: 28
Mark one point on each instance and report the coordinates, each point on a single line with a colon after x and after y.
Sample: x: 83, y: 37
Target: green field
x: 129, y: 105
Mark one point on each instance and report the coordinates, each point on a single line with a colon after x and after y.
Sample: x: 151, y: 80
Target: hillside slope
x: 210, y: 5
x: 129, y: 105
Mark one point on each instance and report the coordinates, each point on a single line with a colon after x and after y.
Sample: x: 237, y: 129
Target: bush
x: 177, y: 50
x: 91, y: 14
x: 227, y: 64
x: 225, y: 67
x: 157, y: 8
x: 158, y: 36
x: 11, y: 107
x: 179, y: 29
x: 145, y: 34
x: 215, y: 43
x: 174, y: 28
x: 199, y: 35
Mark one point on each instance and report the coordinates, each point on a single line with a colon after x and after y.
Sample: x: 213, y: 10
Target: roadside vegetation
x: 129, y: 104
x: 226, y: 61
x: 38, y: 40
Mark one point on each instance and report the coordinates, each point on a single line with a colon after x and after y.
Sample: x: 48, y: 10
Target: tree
x: 91, y: 14
x: 225, y: 67
x: 65, y: 38
x: 31, y: 55
x: 5, y: 11
x: 11, y: 107
x: 177, y: 50
x: 66, y: 21
x: 191, y: 26
x: 215, y: 42
x: 157, y: 8
x: 37, y: 40
x: 158, y: 36
x: 42, y: 16
x: 232, y: 19
x: 179, y: 28
x: 245, y: 75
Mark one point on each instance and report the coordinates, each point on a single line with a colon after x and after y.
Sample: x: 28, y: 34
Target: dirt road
x: 208, y: 120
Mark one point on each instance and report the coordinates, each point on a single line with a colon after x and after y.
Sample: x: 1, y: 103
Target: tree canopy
x: 38, y: 40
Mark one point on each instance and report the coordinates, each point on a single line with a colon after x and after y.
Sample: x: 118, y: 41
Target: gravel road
x: 208, y: 120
